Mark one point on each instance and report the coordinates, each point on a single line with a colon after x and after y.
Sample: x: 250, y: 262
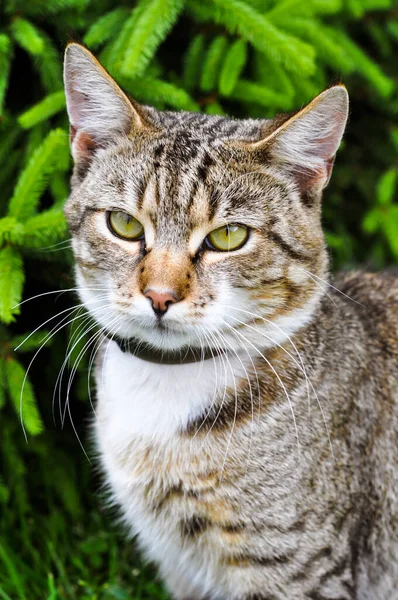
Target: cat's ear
x: 98, y: 109
x: 306, y: 143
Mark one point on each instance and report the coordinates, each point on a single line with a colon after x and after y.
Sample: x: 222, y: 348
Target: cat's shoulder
x: 368, y: 287
x: 374, y: 297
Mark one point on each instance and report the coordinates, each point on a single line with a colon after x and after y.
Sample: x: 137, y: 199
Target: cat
x: 247, y: 410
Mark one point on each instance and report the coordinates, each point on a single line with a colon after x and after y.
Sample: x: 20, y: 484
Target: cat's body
x: 280, y: 522
x: 269, y: 469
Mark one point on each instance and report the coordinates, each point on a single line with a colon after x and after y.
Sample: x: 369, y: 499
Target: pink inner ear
x: 83, y: 145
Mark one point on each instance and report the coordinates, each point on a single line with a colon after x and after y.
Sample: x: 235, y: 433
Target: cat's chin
x: 160, y: 338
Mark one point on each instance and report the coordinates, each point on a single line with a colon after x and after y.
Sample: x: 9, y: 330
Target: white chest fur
x: 153, y: 401
x: 144, y: 406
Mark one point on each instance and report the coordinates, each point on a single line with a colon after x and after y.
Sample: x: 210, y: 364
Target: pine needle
x: 34, y: 179
x: 11, y: 283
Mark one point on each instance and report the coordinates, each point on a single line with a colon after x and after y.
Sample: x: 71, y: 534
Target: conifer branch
x: 34, y: 179
x: 106, y: 28
x: 43, y: 110
x: 11, y: 283
x: 28, y: 36
x: 193, y: 62
x: 5, y: 64
x: 25, y: 407
x: 212, y: 63
x: 234, y: 63
x: 239, y: 17
x: 156, y: 19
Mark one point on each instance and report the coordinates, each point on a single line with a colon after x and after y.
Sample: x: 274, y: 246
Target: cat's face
x: 185, y: 226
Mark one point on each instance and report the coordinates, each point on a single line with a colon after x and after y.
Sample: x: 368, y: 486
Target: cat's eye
x: 124, y: 225
x: 226, y: 238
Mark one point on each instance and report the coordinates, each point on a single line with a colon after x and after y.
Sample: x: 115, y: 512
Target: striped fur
x: 269, y: 471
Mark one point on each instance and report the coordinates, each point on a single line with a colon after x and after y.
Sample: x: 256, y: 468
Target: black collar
x: 182, y: 356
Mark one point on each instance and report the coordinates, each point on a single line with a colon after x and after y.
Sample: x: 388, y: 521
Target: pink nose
x: 160, y: 301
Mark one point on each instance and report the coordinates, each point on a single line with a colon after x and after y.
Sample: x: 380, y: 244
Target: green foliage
x: 245, y: 58
x: 154, y: 20
x: 43, y: 110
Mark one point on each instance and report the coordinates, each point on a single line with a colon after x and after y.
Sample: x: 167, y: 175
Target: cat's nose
x: 160, y: 300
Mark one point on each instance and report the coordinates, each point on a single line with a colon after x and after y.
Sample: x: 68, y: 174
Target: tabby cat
x: 247, y: 413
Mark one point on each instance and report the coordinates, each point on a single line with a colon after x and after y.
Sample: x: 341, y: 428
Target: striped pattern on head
x: 182, y: 176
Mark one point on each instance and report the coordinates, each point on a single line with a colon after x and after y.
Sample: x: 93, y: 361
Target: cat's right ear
x: 98, y: 109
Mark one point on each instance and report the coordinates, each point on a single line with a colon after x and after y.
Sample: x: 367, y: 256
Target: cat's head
x: 191, y: 229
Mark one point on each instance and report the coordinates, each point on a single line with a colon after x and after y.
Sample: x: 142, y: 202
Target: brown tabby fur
x: 242, y: 502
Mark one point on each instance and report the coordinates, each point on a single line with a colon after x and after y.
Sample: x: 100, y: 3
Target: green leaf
x: 212, y: 63
x: 391, y: 229
x: 34, y: 178
x: 371, y: 221
x: 43, y: 110
x: 2, y: 382
x: 249, y: 92
x: 383, y: 84
x: 387, y: 186
x: 156, y: 18
x: 33, y: 341
x: 10, y: 231
x: 11, y: 283
x: 5, y: 64
x: 322, y: 38
x: 193, y: 62
x: 28, y: 36
x: 44, y: 229
x: 155, y: 91
x: 22, y: 397
x: 234, y: 63
x: 297, y: 8
x: 106, y: 27
x: 49, y: 66
x: 239, y: 17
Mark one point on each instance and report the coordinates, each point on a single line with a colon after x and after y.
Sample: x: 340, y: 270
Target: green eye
x: 228, y: 237
x: 124, y: 225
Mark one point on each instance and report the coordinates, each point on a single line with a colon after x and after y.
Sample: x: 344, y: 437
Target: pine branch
x: 106, y: 27
x: 33, y: 341
x: 49, y: 66
x: 297, y: 8
x: 364, y: 65
x: 249, y: 92
x: 155, y: 91
x: 193, y: 62
x: 234, y: 63
x: 323, y: 41
x: 2, y: 382
x: 156, y: 19
x: 46, y: 108
x: 114, y: 53
x: 25, y: 407
x: 28, y: 36
x: 275, y: 78
x: 11, y: 283
x: 34, y: 179
x: 44, y: 229
x: 10, y: 231
x: 212, y: 63
x: 5, y: 64
x: 239, y: 17
x: 59, y: 186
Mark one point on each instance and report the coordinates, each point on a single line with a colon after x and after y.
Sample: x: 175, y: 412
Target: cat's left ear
x: 306, y: 143
x: 98, y: 109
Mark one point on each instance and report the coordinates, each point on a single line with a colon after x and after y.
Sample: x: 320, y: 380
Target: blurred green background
x: 235, y: 57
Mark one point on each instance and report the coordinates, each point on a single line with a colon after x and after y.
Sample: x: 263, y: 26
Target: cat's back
x: 374, y: 299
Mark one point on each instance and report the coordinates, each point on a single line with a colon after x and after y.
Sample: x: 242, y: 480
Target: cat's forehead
x: 188, y: 173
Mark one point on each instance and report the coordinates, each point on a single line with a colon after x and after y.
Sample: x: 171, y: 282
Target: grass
x: 57, y: 542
